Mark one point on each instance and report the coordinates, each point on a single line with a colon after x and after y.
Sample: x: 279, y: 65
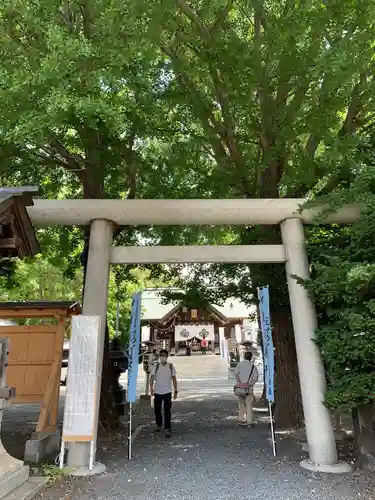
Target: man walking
x: 247, y: 375
x: 162, y: 378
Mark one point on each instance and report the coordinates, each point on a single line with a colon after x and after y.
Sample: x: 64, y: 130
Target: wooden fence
x: 35, y: 358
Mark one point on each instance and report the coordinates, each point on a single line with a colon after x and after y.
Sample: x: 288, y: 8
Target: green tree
x: 39, y: 280
x: 182, y: 99
x: 277, y: 92
x: 343, y: 286
x: 79, y: 95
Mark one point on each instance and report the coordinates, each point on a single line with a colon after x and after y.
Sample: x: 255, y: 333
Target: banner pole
x: 272, y: 429
x: 92, y: 453
x: 62, y: 454
x: 134, y: 346
x: 130, y: 433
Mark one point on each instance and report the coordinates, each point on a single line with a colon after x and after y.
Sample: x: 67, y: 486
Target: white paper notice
x: 83, y: 379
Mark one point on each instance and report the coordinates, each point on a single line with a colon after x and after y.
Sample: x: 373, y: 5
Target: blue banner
x: 268, y: 351
x: 134, y: 344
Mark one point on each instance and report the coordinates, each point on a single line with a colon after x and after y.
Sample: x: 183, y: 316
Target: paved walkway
x: 209, y: 456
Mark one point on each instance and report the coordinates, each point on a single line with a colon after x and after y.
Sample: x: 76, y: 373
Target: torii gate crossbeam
x: 179, y: 212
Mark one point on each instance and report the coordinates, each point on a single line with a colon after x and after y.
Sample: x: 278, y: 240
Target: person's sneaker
x: 158, y: 429
x: 167, y: 434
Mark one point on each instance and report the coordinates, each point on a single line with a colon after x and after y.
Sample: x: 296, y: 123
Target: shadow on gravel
x: 209, y: 457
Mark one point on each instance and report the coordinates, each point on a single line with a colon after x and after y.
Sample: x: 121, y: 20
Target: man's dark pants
x: 166, y: 400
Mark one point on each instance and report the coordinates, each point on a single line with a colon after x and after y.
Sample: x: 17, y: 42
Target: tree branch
x: 74, y: 163
x: 194, y: 18
x: 132, y: 169
x: 221, y: 132
x: 348, y: 127
x: 198, y: 102
x: 87, y: 18
x: 350, y: 123
x: 354, y: 109
x: 51, y: 161
x: 222, y: 17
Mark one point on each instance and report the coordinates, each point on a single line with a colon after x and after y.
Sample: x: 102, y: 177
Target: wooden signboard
x: 81, y: 404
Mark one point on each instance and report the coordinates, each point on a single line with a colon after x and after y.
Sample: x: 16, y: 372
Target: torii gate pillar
x: 319, y: 429
x: 95, y: 300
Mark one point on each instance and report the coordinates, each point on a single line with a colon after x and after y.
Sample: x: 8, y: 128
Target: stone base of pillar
x: 305, y: 447
x: 42, y: 445
x: 339, y: 468
x: 339, y: 436
x: 85, y: 472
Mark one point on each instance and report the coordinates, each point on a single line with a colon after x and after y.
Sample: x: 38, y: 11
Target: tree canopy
x: 181, y: 99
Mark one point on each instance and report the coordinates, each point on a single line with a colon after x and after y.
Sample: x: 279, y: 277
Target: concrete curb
x: 339, y: 468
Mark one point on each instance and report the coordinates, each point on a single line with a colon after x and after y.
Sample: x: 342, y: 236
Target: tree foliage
x: 343, y: 285
x: 277, y: 92
x: 39, y: 280
x: 182, y: 99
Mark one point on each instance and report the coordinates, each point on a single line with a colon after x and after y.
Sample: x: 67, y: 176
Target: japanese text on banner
x: 134, y: 344
x: 268, y: 351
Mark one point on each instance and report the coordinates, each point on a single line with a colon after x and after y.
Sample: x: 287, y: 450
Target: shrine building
x: 172, y: 325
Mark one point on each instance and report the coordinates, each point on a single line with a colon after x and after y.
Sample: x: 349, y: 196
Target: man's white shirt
x: 162, y: 375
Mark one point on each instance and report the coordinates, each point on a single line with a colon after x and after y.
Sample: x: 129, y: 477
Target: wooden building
x: 36, y: 353
x: 171, y: 326
x: 17, y: 235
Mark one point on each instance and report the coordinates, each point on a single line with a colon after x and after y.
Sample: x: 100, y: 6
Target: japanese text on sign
x: 134, y: 343
x: 268, y: 351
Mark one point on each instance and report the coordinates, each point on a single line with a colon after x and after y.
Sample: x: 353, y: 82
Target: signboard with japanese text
x: 134, y: 345
x: 268, y: 349
x: 83, y: 382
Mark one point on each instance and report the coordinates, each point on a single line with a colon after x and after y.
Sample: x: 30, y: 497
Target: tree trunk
x: 288, y: 401
x: 108, y: 414
x: 262, y: 402
x: 288, y: 407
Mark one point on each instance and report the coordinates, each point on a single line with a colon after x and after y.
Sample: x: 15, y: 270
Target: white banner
x: 83, y: 383
x: 222, y: 341
x: 238, y: 333
x: 226, y: 350
x: 145, y: 333
x: 186, y: 332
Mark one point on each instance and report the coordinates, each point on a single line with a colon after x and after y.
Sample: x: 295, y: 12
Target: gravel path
x: 209, y: 457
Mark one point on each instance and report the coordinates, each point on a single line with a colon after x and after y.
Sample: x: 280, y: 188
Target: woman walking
x: 247, y: 375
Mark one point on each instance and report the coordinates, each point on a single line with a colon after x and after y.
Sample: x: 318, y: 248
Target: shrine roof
x: 154, y: 308
x: 39, y: 309
x: 17, y: 235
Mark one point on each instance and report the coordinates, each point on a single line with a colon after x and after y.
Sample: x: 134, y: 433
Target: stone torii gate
x: 105, y: 215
